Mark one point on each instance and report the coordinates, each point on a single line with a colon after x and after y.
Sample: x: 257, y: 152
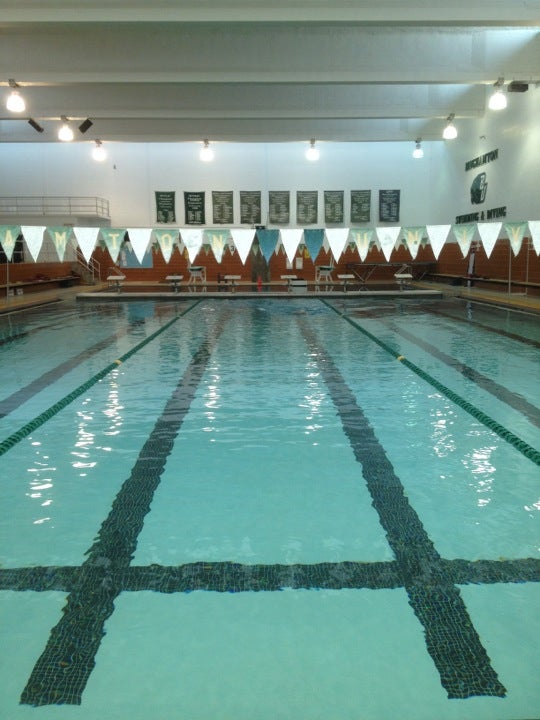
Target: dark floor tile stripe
x: 236, y: 577
x: 452, y: 641
x: 61, y: 673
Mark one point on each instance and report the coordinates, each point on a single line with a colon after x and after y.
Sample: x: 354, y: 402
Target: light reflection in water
x: 212, y: 399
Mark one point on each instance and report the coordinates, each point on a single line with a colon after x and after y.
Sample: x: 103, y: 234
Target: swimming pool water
x: 251, y: 509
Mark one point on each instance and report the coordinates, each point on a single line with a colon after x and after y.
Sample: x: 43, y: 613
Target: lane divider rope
x: 521, y: 445
x: 41, y: 419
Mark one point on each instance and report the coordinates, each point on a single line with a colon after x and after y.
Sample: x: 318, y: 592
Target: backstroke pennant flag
x: 437, y: 235
x: 291, y: 239
x: 267, y: 241
x: 192, y: 239
x: 140, y: 240
x: 362, y: 240
x: 166, y: 239
x: 60, y: 237
x: 413, y: 238
x: 534, y: 227
x: 243, y: 240
x: 113, y: 239
x: 464, y: 235
x: 337, y: 239
x: 33, y: 237
x: 313, y: 240
x: 8, y: 238
x: 86, y: 238
x: 387, y: 237
x: 515, y: 232
x: 217, y: 240
x: 489, y: 232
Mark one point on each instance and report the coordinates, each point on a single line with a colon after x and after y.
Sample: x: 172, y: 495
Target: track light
x: 86, y: 125
x: 312, y: 153
x: 498, y: 101
x: 37, y: 127
x: 15, y: 101
x: 99, y: 153
x: 450, y: 131
x: 207, y: 154
x: 418, y: 152
x: 65, y: 134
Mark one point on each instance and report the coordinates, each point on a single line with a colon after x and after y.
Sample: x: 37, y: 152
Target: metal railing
x: 43, y: 205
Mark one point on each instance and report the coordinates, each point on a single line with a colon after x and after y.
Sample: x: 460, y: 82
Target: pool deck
x: 101, y: 291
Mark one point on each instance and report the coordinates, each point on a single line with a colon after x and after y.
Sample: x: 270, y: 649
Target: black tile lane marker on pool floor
x: 61, y: 673
x: 453, y: 643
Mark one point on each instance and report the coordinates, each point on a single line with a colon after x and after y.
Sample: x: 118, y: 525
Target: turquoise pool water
x: 270, y: 509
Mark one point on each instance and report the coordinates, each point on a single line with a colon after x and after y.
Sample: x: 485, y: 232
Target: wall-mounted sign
x: 165, y: 210
x: 389, y: 205
x: 360, y: 206
x: 279, y: 210
x: 222, y: 207
x: 333, y: 206
x: 250, y: 207
x: 307, y: 208
x: 194, y: 207
x: 479, y: 189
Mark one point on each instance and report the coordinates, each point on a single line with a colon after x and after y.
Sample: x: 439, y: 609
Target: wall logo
x: 479, y: 189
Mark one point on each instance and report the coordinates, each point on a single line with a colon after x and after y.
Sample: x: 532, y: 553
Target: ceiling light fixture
x: 312, y: 153
x: 450, y: 131
x: 98, y: 152
x: 65, y: 134
x: 207, y: 154
x: 418, y: 152
x: 15, y: 101
x: 498, y: 100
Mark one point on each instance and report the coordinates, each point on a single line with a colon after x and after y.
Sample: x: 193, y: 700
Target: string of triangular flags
x: 386, y: 238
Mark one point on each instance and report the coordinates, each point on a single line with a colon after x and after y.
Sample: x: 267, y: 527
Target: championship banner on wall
x: 279, y: 207
x: 333, y: 207
x: 389, y: 205
x: 360, y: 206
x: 165, y: 210
x: 306, y: 207
x: 222, y: 207
x: 194, y: 208
x: 250, y: 207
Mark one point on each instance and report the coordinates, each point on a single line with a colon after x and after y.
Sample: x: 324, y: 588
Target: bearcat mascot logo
x: 479, y: 189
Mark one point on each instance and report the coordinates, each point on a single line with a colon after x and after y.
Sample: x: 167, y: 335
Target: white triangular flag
x: 515, y: 232
x: 86, y: 238
x: 362, y: 238
x: 139, y: 239
x: 192, y: 239
x: 33, y: 237
x: 464, y: 235
x: 413, y: 238
x: 534, y: 227
x: 167, y: 240
x: 387, y: 237
x: 437, y: 235
x: 243, y: 240
x: 337, y: 238
x: 489, y: 232
x: 291, y: 239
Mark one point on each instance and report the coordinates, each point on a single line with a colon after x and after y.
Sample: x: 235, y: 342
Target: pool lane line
x: 235, y: 577
x: 521, y: 445
x: 512, y: 399
x: 41, y: 419
x: 451, y: 639
x: 62, y: 671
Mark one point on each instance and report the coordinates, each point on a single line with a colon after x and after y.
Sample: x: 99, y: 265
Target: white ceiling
x: 254, y: 71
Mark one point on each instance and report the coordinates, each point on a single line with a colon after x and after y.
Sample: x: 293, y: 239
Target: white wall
x: 433, y: 190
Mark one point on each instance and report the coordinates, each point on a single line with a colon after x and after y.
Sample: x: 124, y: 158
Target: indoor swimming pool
x: 270, y: 509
